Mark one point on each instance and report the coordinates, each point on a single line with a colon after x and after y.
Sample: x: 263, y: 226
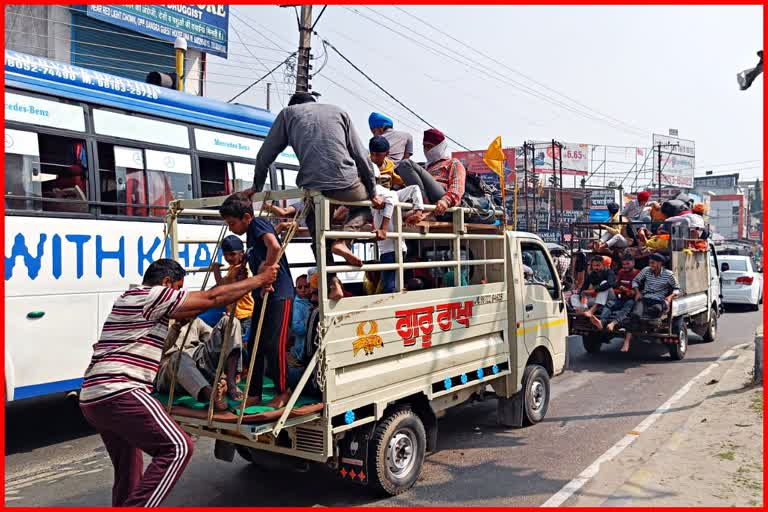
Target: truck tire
x: 592, y: 343
x: 535, y: 394
x: 396, y: 452
x: 711, y: 333
x: 678, y: 350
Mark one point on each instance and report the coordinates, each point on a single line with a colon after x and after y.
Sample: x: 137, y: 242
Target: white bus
x: 91, y: 162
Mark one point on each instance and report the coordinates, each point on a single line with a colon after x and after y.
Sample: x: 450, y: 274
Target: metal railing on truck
x: 458, y: 232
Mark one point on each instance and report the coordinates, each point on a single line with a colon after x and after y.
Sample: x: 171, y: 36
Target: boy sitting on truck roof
x: 596, y: 291
x: 659, y: 286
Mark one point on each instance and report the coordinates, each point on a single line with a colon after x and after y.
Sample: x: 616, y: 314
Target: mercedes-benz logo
x: 137, y: 158
x: 169, y: 162
x: 8, y: 141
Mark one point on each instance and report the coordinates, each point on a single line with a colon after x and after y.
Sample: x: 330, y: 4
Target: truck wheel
x: 536, y: 394
x: 592, y: 343
x: 711, y: 333
x: 678, y: 350
x: 398, y: 447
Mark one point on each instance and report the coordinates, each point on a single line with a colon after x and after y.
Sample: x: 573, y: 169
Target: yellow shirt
x: 244, y: 307
x: 388, y: 168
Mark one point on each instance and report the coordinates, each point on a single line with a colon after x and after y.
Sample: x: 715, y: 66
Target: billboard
x: 575, y: 159
x: 474, y: 164
x: 678, y: 160
x: 205, y: 27
x: 598, y: 204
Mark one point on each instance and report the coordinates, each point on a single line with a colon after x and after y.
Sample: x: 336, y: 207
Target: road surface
x: 54, y: 459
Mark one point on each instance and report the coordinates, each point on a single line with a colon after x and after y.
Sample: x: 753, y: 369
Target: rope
x: 286, y: 240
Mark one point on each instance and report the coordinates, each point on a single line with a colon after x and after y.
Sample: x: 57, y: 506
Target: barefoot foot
x: 341, y: 249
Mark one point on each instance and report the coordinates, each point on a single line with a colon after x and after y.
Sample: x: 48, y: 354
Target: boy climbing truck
x: 465, y: 322
x: 666, y: 284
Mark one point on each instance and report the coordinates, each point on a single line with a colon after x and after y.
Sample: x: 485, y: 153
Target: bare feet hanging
x: 625, y: 346
x: 611, y: 326
x: 595, y: 321
x: 339, y: 248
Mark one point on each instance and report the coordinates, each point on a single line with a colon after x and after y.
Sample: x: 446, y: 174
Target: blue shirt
x: 301, y: 310
x: 257, y: 254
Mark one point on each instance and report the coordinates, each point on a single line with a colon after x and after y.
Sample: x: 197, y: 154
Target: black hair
x: 627, y: 257
x: 236, y: 206
x: 301, y: 97
x: 597, y: 257
x: 303, y: 276
x: 162, y: 268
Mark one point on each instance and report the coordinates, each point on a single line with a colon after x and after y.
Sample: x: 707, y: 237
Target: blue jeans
x: 388, y: 284
x: 617, y: 310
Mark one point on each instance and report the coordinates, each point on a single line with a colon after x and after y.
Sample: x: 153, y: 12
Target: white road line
x: 585, y: 476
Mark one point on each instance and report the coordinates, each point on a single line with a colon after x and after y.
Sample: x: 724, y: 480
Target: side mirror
x: 724, y: 267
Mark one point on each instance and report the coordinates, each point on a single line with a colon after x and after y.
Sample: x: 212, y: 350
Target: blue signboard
x: 205, y: 27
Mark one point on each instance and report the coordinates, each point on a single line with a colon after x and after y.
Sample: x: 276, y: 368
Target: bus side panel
x: 369, y: 351
x: 50, y: 352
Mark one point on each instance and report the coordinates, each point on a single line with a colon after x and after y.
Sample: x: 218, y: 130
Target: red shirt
x: 450, y: 173
x: 624, y: 280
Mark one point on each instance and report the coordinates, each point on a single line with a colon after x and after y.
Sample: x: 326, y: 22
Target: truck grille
x: 308, y: 440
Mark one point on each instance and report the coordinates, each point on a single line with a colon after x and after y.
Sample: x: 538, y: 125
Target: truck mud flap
x: 224, y: 450
x: 353, y: 454
x: 510, y: 410
x: 575, y: 339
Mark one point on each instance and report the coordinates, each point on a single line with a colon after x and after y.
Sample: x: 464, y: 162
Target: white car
x: 742, y: 284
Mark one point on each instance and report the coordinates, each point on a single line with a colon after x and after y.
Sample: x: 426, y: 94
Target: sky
x: 606, y: 75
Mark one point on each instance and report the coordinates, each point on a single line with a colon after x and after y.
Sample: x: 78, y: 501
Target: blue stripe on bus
x: 47, y: 388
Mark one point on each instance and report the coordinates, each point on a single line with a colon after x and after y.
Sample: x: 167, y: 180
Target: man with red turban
x: 442, y: 182
x: 634, y: 209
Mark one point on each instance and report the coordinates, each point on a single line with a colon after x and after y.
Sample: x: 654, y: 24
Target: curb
x: 631, y: 490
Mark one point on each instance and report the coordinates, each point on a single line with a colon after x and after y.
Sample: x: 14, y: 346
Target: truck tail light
x: 744, y: 280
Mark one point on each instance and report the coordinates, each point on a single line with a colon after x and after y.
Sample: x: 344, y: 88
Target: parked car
x: 742, y: 283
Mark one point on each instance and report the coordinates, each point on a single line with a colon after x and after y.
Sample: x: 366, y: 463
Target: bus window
x: 63, y: 173
x: 289, y: 178
x: 243, y: 176
x: 121, y: 180
x: 214, y: 179
x: 22, y: 170
x: 169, y: 177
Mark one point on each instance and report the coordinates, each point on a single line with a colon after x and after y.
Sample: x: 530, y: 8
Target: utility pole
x: 658, y: 148
x: 305, y: 35
x: 269, y: 87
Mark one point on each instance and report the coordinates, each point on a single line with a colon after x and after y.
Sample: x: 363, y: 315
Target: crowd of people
x: 625, y: 282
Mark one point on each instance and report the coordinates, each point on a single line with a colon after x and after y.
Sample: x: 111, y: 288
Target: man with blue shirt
x: 263, y: 247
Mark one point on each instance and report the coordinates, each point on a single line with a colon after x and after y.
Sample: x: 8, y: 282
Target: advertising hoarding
x: 678, y: 160
x: 205, y: 27
x: 474, y: 164
x: 575, y: 159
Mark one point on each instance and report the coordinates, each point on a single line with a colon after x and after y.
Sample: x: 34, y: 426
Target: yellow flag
x: 494, y: 158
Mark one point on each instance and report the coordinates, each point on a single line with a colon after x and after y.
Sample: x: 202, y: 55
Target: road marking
x: 585, y: 476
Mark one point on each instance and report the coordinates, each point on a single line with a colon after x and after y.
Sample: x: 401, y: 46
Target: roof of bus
x: 46, y: 76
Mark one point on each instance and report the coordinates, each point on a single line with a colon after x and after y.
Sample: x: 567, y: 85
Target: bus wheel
x: 592, y: 343
x: 536, y: 397
x: 711, y: 333
x: 678, y: 350
x: 398, y: 446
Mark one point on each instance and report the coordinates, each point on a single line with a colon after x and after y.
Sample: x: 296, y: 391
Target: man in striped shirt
x: 659, y: 287
x: 115, y: 397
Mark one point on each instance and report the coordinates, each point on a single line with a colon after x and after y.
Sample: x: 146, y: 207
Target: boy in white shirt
x: 382, y: 222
